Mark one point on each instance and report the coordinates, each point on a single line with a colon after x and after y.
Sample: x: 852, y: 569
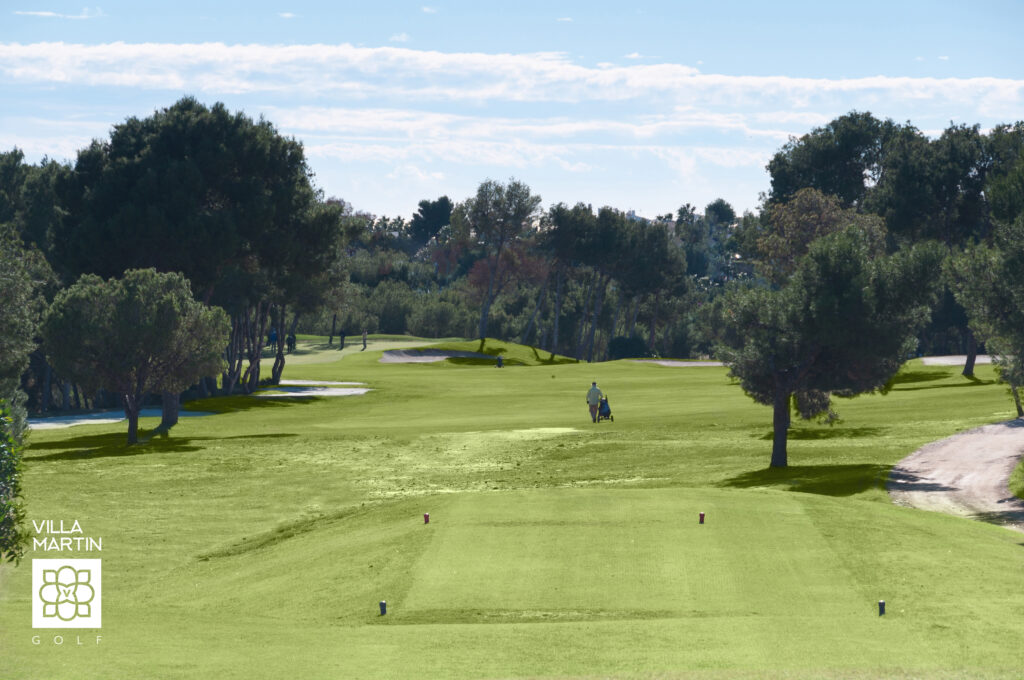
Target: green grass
x: 1017, y: 480
x: 258, y: 542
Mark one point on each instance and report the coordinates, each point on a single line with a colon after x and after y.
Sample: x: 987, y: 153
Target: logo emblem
x: 66, y: 593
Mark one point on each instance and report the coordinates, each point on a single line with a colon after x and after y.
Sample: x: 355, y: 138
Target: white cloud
x: 399, y: 38
x: 634, y: 55
x: 567, y: 20
x: 408, y: 74
x: 943, y: 58
x: 286, y: 15
x: 429, y: 10
x: 86, y: 13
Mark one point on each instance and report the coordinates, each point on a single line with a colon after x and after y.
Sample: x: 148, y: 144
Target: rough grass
x: 1017, y: 480
x: 258, y: 542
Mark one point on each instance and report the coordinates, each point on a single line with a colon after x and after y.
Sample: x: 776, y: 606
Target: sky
x: 640, y: 105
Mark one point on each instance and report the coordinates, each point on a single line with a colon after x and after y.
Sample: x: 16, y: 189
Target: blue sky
x: 640, y: 105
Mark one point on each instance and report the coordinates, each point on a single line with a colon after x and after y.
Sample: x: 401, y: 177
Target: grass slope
x: 257, y: 542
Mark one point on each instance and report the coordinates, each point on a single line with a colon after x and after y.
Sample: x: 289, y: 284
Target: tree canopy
x: 133, y: 336
x: 842, y: 325
x: 498, y: 215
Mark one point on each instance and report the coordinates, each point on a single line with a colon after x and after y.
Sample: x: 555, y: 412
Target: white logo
x: 66, y: 593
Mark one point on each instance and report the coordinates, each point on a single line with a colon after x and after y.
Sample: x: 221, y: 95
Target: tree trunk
x: 131, y: 412
x: 636, y: 313
x: 47, y: 376
x: 255, y: 330
x: 334, y: 324
x: 490, y: 295
x: 170, y: 407
x: 602, y: 285
x: 485, y: 311
x: 234, y: 355
x: 588, y: 304
x: 615, y: 317
x: 557, y: 313
x: 1016, y: 401
x: 780, y: 421
x: 278, y: 368
x: 65, y: 393
x: 78, y: 399
x: 536, y: 308
x: 972, y: 354
x: 654, y: 322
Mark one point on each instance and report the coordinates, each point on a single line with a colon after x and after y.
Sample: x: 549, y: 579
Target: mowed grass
x: 258, y: 542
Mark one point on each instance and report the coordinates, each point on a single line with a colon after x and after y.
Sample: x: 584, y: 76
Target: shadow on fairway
x: 88, y: 447
x: 237, y: 403
x: 834, y: 432
x: 826, y: 480
x: 968, y: 381
x: 911, y: 377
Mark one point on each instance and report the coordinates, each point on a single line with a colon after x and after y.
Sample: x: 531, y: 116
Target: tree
x: 430, y: 218
x: 133, y: 336
x: 791, y: 227
x: 498, y: 215
x: 719, y: 212
x: 841, y: 159
x: 225, y: 200
x: 841, y: 326
x: 988, y: 280
x: 20, y: 307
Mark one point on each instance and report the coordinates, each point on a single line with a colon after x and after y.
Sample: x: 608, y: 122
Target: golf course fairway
x: 260, y: 541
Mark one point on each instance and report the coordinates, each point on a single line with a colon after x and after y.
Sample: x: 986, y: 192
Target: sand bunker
x: 310, y: 390
x: 954, y: 360
x: 100, y: 418
x: 966, y: 474
x: 318, y: 382
x: 426, y: 356
x: 678, y: 364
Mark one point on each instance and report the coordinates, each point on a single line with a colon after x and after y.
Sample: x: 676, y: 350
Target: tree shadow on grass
x: 113, y: 444
x: 826, y: 432
x: 911, y: 377
x: 247, y: 402
x: 826, y: 480
x: 969, y: 381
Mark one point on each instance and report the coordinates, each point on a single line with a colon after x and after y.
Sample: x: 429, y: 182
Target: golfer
x: 593, y: 399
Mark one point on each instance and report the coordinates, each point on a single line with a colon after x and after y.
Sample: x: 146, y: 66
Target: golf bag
x: 604, y: 411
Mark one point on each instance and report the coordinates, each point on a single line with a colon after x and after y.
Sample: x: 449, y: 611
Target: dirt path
x: 965, y: 475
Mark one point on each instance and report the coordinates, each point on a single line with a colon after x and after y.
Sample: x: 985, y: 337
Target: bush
x: 12, y: 537
x: 622, y: 347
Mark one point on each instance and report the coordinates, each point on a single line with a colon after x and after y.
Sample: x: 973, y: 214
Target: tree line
x: 198, y: 233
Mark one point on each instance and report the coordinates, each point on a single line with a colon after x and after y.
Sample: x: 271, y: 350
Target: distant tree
x: 842, y: 325
x: 499, y: 214
x: 719, y: 212
x: 133, y: 336
x: 566, y: 229
x: 430, y: 218
x: 988, y: 280
x: 841, y: 158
